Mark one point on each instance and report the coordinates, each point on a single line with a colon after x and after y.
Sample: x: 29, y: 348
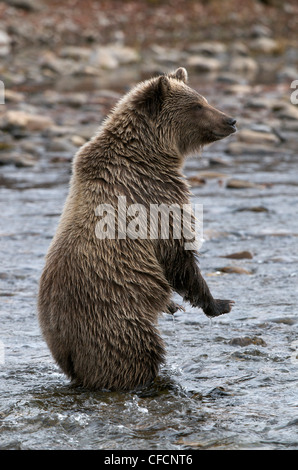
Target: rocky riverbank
x: 64, y: 65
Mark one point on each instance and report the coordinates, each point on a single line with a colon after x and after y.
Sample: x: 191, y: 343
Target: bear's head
x: 180, y: 114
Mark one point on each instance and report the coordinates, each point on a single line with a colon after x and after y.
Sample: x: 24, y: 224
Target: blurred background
x: 230, y: 383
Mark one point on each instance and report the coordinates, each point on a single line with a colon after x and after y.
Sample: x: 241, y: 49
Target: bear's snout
x: 229, y: 124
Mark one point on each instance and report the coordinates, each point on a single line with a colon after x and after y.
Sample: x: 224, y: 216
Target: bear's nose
x: 231, y: 121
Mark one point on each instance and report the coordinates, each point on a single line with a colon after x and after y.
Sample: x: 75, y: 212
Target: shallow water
x: 215, y: 391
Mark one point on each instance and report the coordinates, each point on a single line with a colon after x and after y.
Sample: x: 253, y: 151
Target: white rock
x: 241, y: 64
x: 203, y: 64
x: 255, y: 137
x: 111, y: 56
x: 288, y: 112
x: 265, y: 45
x: 208, y: 48
x: 4, y: 43
x: 31, y: 122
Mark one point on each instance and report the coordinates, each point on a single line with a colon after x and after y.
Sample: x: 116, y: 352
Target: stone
x: 75, y: 52
x: 14, y: 96
x: 111, y: 56
x: 77, y: 140
x: 234, y: 270
x: 211, y: 174
x: 62, y: 66
x: 17, y: 159
x: 4, y: 43
x: 208, y: 48
x: 239, y: 255
x: 22, y: 119
x: 242, y: 184
x: 288, y: 112
x: 238, y: 89
x: 247, y: 340
x: 265, y: 45
x: 243, y: 148
x: 203, y: 64
x: 28, y: 5
x: 241, y: 64
x: 255, y: 137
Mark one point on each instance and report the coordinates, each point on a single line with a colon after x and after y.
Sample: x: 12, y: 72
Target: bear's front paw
x: 173, y: 307
x: 218, y: 307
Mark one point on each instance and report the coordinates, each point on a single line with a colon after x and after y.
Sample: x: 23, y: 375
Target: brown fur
x: 99, y: 300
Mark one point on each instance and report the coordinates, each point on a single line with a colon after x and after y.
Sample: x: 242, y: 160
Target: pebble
x: 257, y: 137
x: 31, y: 122
x: 4, y: 43
x: 288, y: 112
x: 246, y: 65
x: 200, y: 63
x: 18, y: 159
x: 253, y: 209
x: 235, y: 183
x: 112, y: 56
x: 241, y: 148
x: 13, y: 96
x: 208, y: 48
x: 234, y: 270
x: 247, y: 340
x: 265, y: 45
x: 239, y: 255
x: 210, y: 174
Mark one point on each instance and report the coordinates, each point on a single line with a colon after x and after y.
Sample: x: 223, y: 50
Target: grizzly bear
x: 100, y: 296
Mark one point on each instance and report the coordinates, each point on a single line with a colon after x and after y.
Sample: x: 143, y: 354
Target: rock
x: 164, y: 55
x: 59, y: 144
x: 234, y: 269
x: 196, y: 180
x: 246, y: 341
x: 287, y: 73
x: 260, y: 102
x: 14, y: 96
x: 75, y: 52
x: 62, y: 66
x: 74, y: 99
x: 219, y: 161
x: 17, y: 159
x: 288, y: 112
x: 253, y: 209
x: 245, y: 65
x: 239, y: 255
x: 238, y: 89
x: 112, y: 56
x: 241, y: 184
x: 77, y: 140
x: 212, y: 234
x: 230, y: 78
x: 260, y: 30
x: 265, y: 45
x: 4, y: 43
x: 239, y: 48
x: 28, y: 5
x: 242, y: 148
x: 203, y: 64
x: 255, y: 137
x: 21, y: 119
x: 211, y: 174
x: 208, y: 48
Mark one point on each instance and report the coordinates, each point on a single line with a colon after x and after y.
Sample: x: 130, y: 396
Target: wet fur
x: 99, y: 300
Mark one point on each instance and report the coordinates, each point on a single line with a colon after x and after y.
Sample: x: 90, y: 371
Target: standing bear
x: 100, y: 296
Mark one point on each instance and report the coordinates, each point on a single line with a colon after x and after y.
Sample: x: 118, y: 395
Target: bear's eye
x: 199, y: 106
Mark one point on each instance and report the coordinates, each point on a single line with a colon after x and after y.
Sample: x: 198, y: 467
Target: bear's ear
x: 180, y: 74
x: 151, y: 98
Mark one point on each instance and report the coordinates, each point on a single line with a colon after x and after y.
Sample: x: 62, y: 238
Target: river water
x: 229, y: 382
